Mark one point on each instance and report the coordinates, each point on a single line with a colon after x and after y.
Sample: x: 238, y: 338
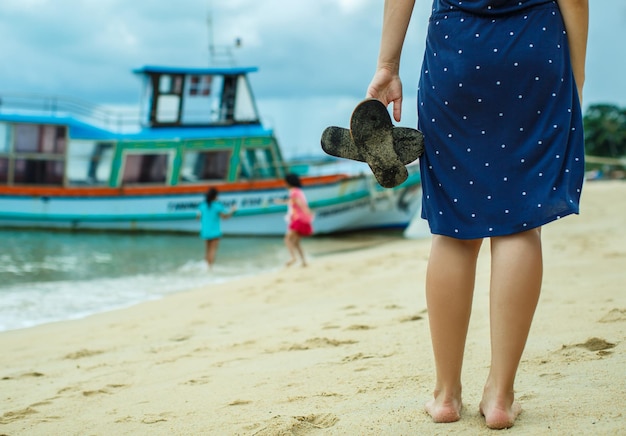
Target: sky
x: 315, y: 57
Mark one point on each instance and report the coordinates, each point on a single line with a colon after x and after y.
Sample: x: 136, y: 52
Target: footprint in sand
x: 25, y: 375
x: 615, y: 315
x: 552, y: 376
x: 16, y: 415
x: 297, y: 425
x: 83, y: 353
x: 239, y: 402
x: 411, y: 318
x: 180, y: 338
x: 319, y: 343
x: 359, y: 327
x: 356, y: 357
x: 614, y: 254
x: 154, y: 418
x: 107, y: 390
x: 97, y: 392
x: 199, y: 381
x: 68, y: 389
x: 325, y: 420
x: 597, y: 345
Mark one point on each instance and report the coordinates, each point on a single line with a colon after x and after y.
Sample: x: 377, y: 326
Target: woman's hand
x: 386, y: 86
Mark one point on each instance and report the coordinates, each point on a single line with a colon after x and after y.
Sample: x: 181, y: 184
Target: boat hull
x: 340, y: 204
x: 69, y: 165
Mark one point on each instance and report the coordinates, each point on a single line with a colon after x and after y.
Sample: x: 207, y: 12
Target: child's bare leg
x: 516, y: 273
x: 207, y: 251
x: 291, y: 248
x: 449, y: 291
x: 212, y: 251
x: 297, y: 238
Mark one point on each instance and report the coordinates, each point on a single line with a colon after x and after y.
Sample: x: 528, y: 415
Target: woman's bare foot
x: 290, y: 262
x: 497, y: 414
x: 444, y: 410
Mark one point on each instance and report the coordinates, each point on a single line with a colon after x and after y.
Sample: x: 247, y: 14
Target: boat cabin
x: 194, y: 126
x: 198, y: 97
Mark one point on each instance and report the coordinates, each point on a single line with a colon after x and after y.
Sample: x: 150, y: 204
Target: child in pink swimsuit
x: 299, y: 219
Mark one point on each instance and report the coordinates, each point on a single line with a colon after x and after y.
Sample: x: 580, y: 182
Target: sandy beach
x: 341, y: 347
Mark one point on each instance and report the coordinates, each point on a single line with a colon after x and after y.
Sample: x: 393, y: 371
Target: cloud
x: 306, y: 48
x: 315, y: 58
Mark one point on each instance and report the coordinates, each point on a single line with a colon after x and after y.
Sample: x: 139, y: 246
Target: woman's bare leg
x: 516, y: 274
x: 449, y: 291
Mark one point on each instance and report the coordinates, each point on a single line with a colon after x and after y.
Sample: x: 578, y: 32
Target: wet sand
x: 338, y: 348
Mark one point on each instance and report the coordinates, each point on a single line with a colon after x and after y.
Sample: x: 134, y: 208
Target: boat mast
x: 219, y: 54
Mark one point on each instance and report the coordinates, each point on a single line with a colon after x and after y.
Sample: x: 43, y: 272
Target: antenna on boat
x: 222, y: 54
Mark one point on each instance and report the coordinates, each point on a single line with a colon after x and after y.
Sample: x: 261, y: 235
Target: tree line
x: 605, y: 131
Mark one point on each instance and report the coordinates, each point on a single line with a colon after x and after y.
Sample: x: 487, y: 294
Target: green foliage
x: 605, y: 130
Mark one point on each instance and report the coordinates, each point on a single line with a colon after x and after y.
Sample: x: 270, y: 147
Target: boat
x: 66, y: 164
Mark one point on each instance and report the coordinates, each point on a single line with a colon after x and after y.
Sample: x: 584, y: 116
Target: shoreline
x: 143, y: 286
x: 339, y: 347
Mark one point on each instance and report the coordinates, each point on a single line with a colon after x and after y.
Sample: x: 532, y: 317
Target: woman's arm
x: 386, y: 85
x: 576, y: 19
x: 396, y: 18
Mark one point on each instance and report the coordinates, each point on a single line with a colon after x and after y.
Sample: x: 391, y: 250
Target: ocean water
x: 52, y: 276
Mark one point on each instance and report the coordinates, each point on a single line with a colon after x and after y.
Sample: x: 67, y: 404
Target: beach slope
x: 338, y: 348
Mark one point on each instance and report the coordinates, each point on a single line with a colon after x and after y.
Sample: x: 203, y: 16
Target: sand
x: 339, y: 348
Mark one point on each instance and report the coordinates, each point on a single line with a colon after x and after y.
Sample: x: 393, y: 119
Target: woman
x: 299, y: 219
x: 210, y: 213
x: 499, y: 106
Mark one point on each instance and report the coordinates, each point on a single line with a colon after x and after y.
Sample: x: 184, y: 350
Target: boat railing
x: 324, y: 165
x: 55, y: 106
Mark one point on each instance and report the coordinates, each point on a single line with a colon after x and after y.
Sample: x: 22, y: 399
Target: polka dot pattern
x: 500, y: 114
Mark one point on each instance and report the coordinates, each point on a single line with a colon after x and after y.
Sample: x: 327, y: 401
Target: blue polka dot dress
x: 499, y: 110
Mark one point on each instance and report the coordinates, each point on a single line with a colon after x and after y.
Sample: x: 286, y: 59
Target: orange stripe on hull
x: 53, y: 191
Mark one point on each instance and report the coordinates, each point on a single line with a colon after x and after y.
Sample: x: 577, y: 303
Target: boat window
x: 245, y: 109
x: 170, y: 84
x: 38, y: 171
x: 89, y: 162
x: 146, y: 168
x: 257, y: 163
x: 200, y: 85
x: 33, y: 138
x: 5, y: 138
x: 167, y: 108
x: 38, y: 154
x: 205, y: 165
x: 5, y: 147
x: 202, y: 99
x: 165, y: 84
x: 4, y: 170
x: 168, y: 97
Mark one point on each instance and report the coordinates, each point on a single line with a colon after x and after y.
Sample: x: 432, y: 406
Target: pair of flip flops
x: 372, y: 138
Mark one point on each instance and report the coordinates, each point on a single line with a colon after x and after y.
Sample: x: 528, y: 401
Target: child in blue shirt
x: 210, y: 213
